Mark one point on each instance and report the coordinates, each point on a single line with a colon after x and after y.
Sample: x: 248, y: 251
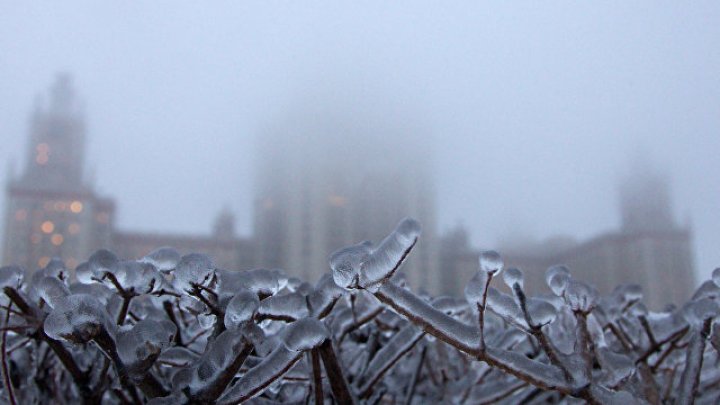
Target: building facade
x: 52, y: 211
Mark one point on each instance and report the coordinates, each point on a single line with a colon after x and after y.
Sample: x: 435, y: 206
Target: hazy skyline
x: 534, y: 113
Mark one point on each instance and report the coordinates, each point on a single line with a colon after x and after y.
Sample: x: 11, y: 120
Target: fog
x: 533, y: 113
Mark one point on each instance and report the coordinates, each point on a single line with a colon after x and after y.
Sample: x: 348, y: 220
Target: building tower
x: 51, y: 211
x: 323, y: 184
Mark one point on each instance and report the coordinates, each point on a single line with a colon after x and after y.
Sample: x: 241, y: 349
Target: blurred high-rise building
x: 51, y: 210
x: 323, y: 186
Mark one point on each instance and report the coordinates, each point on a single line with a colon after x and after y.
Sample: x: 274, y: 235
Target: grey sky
x: 536, y: 111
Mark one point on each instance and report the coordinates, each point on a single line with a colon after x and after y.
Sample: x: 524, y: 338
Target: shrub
x: 167, y: 329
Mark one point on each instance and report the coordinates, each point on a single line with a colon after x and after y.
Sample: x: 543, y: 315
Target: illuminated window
x: 35, y: 238
x: 43, y: 261
x: 60, y: 206
x: 74, y: 228
x: 337, y: 200
x: 103, y: 218
x: 57, y: 239
x: 21, y: 215
x: 47, y: 227
x: 76, y: 207
x: 43, y: 154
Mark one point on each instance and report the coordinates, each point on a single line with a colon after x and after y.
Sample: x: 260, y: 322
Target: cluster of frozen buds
x: 173, y: 329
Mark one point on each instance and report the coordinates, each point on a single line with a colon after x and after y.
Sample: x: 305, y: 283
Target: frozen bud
x: 164, y: 259
x: 241, y: 308
x: 491, y: 262
x: 305, y: 334
x: 77, y: 318
x: 580, y: 297
x: 541, y: 312
x: 11, y: 276
x: 145, y: 340
x: 51, y: 290
x: 513, y: 276
x: 55, y: 268
x: 505, y: 306
x: 698, y: 311
x: 192, y: 270
x: 264, y: 282
x: 557, y: 278
x: 83, y: 274
x: 103, y: 261
x: 346, y: 263
x: 716, y: 276
x: 476, y: 288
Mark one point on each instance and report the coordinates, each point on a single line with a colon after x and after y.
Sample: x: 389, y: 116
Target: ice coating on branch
x: 716, y: 276
x: 346, y: 264
x: 580, y: 296
x: 55, y: 268
x: 541, y: 312
x: 475, y: 288
x: 265, y: 282
x: 697, y: 311
x: 220, y: 355
x: 387, y: 257
x: 326, y: 292
x: 505, y: 306
x: 139, y: 277
x: 178, y: 357
x: 513, y: 276
x: 616, y: 366
x: 288, y: 307
x: 241, y: 308
x: 51, y: 290
x: 143, y: 343
x: 491, y: 262
x: 164, y: 258
x: 557, y: 278
x: 11, y: 276
x: 193, y: 269
x: 83, y: 273
x: 77, y: 318
x: 305, y: 334
x: 103, y: 261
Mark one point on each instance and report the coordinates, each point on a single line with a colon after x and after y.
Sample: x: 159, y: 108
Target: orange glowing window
x: 337, y: 200
x: 43, y: 261
x: 21, y: 215
x: 103, y: 218
x: 76, y: 207
x: 57, y: 239
x: 74, y: 228
x: 47, y: 227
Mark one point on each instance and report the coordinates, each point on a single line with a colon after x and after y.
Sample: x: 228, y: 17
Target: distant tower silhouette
x: 645, y: 202
x: 50, y: 210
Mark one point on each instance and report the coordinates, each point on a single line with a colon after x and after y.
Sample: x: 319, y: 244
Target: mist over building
x: 326, y: 179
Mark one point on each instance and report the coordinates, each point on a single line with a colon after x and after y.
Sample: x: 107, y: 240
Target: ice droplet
x: 557, y: 278
x: 346, y: 263
x: 11, y: 276
x: 716, y: 276
x: 491, y: 262
x: 513, y: 276
x: 77, y: 318
x: 164, y: 259
x: 83, y: 273
x: 580, y: 296
x: 305, y: 334
x: 541, y: 312
x: 103, y: 261
x: 241, y: 308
